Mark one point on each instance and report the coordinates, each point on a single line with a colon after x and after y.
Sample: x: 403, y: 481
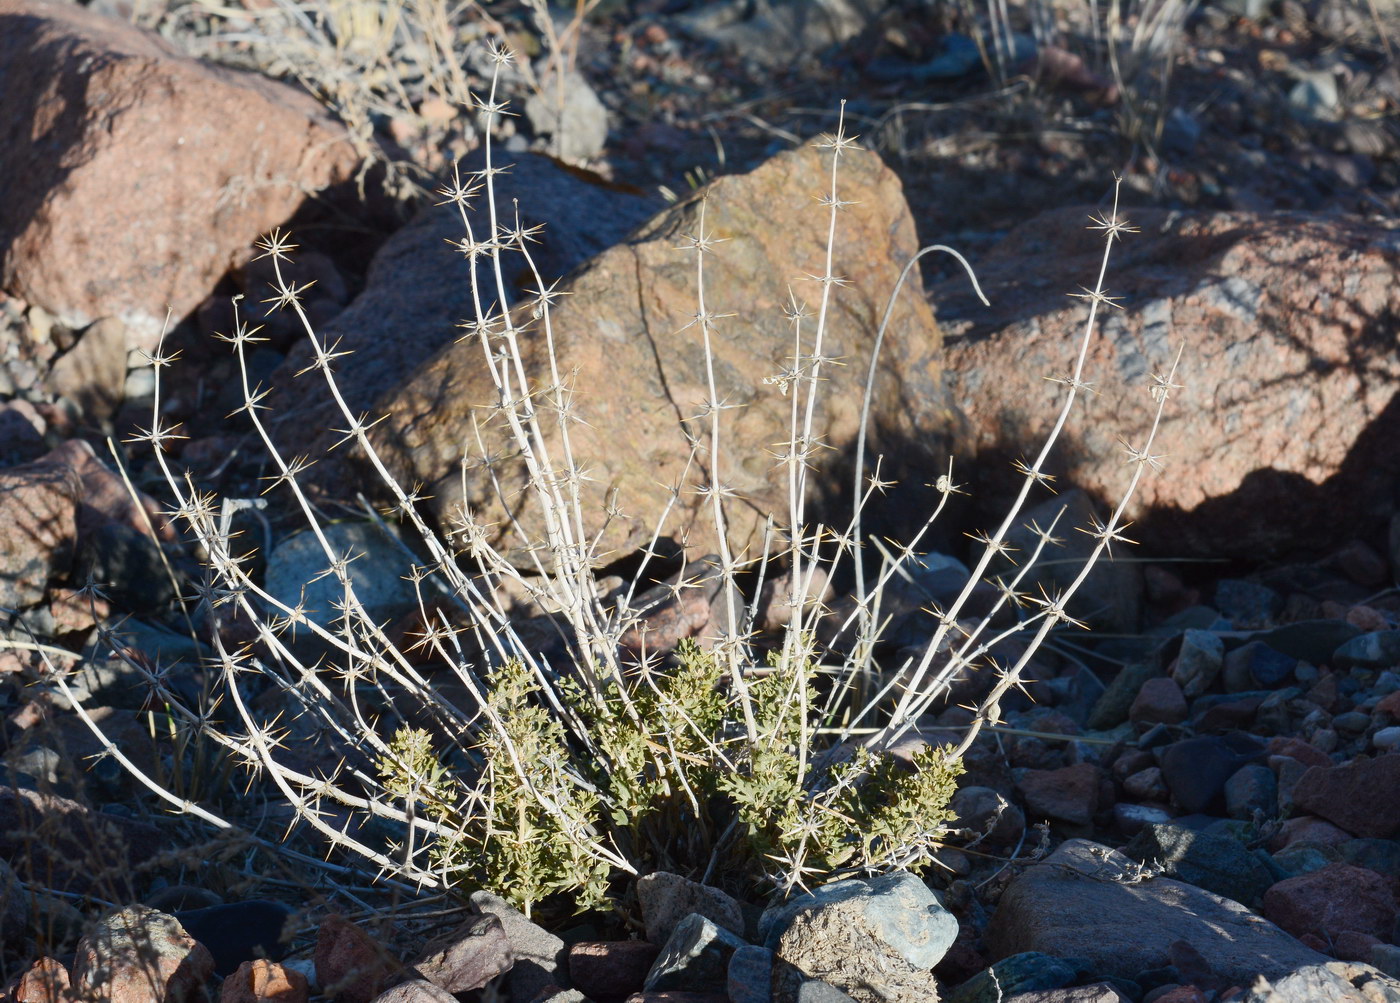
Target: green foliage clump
x: 657, y: 772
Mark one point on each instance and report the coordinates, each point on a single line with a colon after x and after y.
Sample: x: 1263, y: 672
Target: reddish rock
x: 1146, y: 785
x: 138, y: 955
x: 38, y: 508
x: 264, y: 982
x: 1308, y: 755
x: 608, y: 969
x: 1389, y: 705
x: 1308, y: 829
x: 1160, y: 701
x: 672, y: 610
x: 469, y: 957
x: 21, y: 433
x: 350, y: 966
x: 1069, y: 794
x: 1352, y: 945
x: 1367, y: 619
x: 624, y: 333
x: 91, y: 376
x: 45, y: 982
x: 1360, y: 562
x: 105, y: 497
x: 59, y: 844
x: 1227, y: 283
x: 1337, y: 898
x: 1181, y: 994
x: 171, y: 166
x: 1349, y: 795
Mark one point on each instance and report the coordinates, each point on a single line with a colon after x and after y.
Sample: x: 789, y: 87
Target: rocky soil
x: 1197, y: 801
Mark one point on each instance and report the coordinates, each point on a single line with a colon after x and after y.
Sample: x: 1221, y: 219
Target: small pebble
x: 1387, y: 739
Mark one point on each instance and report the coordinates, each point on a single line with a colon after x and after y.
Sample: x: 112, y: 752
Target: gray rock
x: 415, y: 991
x: 571, y: 115
x: 1214, y: 862
x: 899, y: 909
x: 235, y: 932
x: 1386, y: 957
x: 1331, y: 982
x: 1379, y: 649
x: 1031, y: 971
x: 297, y: 573
x: 1315, y: 95
x: 92, y: 374
x: 540, y: 957
x: 1083, y: 902
x: 1110, y: 598
x: 1312, y: 641
x: 469, y: 957
x: 696, y: 958
x: 871, y: 939
x: 667, y: 898
x: 1247, y: 604
x: 780, y: 32
x: 817, y: 991
x: 1252, y: 789
x: 1196, y: 769
x: 127, y: 563
x: 1112, y: 707
x: 977, y: 808
x: 14, y: 905
x: 1257, y: 666
x: 750, y: 976
x: 1199, y: 663
x: 1099, y: 992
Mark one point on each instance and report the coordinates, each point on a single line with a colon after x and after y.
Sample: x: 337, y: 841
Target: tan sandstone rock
x: 624, y: 334
x: 136, y: 176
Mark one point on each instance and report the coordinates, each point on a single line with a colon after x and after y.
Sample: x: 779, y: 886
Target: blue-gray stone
x: 1313, y: 641
x: 750, y: 977
x: 1257, y: 665
x: 1214, y: 862
x: 1195, y: 769
x: 898, y: 909
x: 1199, y: 661
x: 1247, y: 604
x: 1251, y: 789
x: 1112, y: 707
x: 696, y: 958
x: 817, y: 991
x: 1379, y: 855
x: 1379, y: 649
x: 1020, y: 973
x: 1304, y: 858
x: 239, y: 931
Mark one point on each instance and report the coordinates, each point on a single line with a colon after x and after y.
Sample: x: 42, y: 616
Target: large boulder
x: 136, y: 176
x: 1087, y: 901
x: 626, y: 341
x: 1282, y: 438
x: 419, y: 289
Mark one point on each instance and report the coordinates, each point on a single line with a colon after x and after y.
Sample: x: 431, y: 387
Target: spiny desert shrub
x: 471, y: 759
